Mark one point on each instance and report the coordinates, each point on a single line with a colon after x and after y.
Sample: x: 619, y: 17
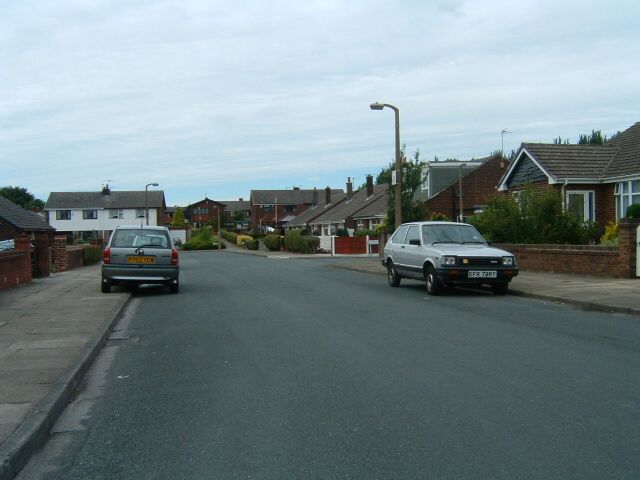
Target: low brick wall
x: 74, y: 257
x: 15, y: 266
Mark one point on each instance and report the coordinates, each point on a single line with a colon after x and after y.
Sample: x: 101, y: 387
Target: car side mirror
x: 414, y: 241
x: 488, y: 243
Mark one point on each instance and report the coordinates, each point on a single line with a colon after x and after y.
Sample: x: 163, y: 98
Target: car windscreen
x: 134, y: 238
x: 451, y: 234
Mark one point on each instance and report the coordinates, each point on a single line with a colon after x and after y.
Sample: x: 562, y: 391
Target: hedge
x: 229, y: 236
x: 240, y: 239
x: 273, y: 242
x: 294, y: 241
x: 91, y: 254
x: 251, y: 244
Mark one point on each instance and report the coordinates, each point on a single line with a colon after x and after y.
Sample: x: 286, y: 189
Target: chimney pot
x: 327, y: 195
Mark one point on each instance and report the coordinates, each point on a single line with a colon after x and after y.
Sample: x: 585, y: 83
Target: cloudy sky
x: 218, y: 98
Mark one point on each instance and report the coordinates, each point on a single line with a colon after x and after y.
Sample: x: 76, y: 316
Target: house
x: 15, y: 221
x: 342, y: 215
x: 93, y: 215
x: 237, y: 214
x: 204, y: 211
x: 320, y: 205
x: 277, y: 207
x: 596, y: 182
x: 476, y: 179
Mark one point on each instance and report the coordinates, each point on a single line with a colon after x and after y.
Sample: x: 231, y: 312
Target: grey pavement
x: 51, y: 330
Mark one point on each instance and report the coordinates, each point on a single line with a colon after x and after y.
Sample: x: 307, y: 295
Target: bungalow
x: 93, y: 215
x: 597, y: 182
x: 204, y: 211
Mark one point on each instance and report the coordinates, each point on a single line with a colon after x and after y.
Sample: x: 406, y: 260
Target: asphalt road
x: 280, y: 368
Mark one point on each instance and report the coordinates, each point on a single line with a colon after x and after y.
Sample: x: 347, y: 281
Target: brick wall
x: 596, y: 260
x: 59, y: 252
x: 15, y: 266
x: 74, y: 257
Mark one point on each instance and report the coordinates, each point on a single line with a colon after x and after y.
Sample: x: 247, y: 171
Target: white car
x: 445, y: 254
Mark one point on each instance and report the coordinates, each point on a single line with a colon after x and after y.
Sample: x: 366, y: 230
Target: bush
x: 251, y: 244
x: 342, y: 232
x: 439, y: 217
x: 242, y: 239
x: 229, y: 236
x: 294, y: 241
x: 203, y: 239
x: 273, y: 242
x: 633, y: 210
x: 91, y: 254
x: 365, y: 232
x: 610, y: 237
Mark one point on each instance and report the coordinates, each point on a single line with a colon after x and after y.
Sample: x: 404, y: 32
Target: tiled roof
x: 20, y: 218
x: 313, y: 212
x: 572, y: 161
x: 285, y: 197
x: 376, y: 209
x: 115, y: 199
x: 627, y: 158
x: 236, y: 205
x: 348, y: 208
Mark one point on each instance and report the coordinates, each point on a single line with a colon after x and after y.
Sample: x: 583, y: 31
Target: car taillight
x: 174, y: 256
x: 106, y: 257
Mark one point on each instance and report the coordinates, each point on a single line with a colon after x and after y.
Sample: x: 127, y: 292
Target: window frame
x: 116, y: 214
x: 589, y: 203
x: 65, y: 216
x: 626, y: 195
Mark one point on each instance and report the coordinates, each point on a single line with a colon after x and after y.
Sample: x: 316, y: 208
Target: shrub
x: 252, y: 244
x: 91, y: 255
x: 242, y: 239
x: 633, y: 210
x: 342, y: 232
x: 230, y: 236
x: 203, y: 239
x: 439, y: 217
x: 273, y: 242
x: 294, y: 241
x: 610, y: 237
x: 365, y: 232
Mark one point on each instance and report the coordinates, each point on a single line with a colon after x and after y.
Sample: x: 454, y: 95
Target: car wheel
x: 174, y: 287
x: 500, y: 288
x: 105, y: 286
x: 431, y: 279
x: 392, y: 275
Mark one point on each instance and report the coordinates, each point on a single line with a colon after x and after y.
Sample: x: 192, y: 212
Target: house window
x: 140, y: 213
x: 116, y: 213
x: 268, y: 208
x: 90, y: 214
x: 290, y: 208
x: 627, y: 193
x: 63, y: 214
x: 581, y: 203
x: 425, y: 181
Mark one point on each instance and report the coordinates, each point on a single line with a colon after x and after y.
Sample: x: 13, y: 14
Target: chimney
x: 315, y: 196
x: 349, y: 188
x: 327, y: 195
x: 369, y: 185
x: 240, y: 199
x: 106, y: 190
x: 296, y: 188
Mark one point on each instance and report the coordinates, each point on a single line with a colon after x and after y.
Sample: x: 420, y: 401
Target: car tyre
x: 500, y: 288
x: 392, y: 275
x: 174, y: 287
x: 431, y: 279
x: 105, y: 286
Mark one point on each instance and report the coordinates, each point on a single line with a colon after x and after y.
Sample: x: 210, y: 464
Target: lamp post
x: 146, y: 199
x: 398, y: 201
x: 502, y: 132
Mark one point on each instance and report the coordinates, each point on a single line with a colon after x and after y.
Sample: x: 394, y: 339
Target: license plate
x: 483, y: 274
x: 141, y: 259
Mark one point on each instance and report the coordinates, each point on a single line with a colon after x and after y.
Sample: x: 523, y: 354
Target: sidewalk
x: 50, y: 332
x: 52, y: 329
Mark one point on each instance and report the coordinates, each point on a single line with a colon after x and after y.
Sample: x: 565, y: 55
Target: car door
x: 412, y: 251
x: 393, y: 249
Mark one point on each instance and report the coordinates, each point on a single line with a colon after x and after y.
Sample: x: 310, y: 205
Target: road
x: 285, y: 368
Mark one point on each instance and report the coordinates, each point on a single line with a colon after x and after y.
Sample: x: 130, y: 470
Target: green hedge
x: 91, y: 254
x: 229, y: 236
x: 203, y: 239
x: 294, y: 241
x: 273, y: 242
x: 251, y: 244
x: 364, y: 233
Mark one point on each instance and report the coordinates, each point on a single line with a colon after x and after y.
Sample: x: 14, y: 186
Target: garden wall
x: 15, y: 265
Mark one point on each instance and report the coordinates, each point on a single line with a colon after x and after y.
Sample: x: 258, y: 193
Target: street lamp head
x: 155, y: 184
x: 376, y: 106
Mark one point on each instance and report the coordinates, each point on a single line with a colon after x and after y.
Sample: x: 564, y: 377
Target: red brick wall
x: 15, y: 266
x: 59, y: 252
x: 74, y: 257
x: 581, y: 259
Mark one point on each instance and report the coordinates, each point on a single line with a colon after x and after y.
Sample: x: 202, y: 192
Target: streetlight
x: 380, y: 106
x: 146, y: 199
x: 502, y: 132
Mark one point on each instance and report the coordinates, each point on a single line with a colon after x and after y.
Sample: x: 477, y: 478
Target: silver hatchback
x: 445, y: 254
x: 140, y: 254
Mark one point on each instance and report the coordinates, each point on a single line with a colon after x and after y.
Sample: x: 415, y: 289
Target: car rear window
x: 133, y: 238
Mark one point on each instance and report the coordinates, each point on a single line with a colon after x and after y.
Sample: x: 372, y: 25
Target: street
x: 273, y: 368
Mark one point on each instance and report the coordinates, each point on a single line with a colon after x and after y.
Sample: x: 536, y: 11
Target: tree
x: 411, y: 180
x: 22, y: 197
x: 178, y: 218
x: 596, y: 138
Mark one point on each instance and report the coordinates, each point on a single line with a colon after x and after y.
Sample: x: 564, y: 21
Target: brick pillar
x: 43, y: 254
x: 60, y: 252
x: 23, y: 275
x: 23, y: 243
x: 627, y: 245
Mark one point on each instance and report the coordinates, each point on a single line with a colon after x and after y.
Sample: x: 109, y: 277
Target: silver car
x: 445, y: 254
x: 140, y: 254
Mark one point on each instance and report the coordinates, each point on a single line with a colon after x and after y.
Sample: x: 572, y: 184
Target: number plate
x: 141, y: 259
x: 483, y: 274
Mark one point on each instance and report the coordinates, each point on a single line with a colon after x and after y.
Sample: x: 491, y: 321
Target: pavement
x: 52, y: 329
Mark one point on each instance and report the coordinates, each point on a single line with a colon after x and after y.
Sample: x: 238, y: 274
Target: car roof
x: 430, y: 222
x: 140, y: 227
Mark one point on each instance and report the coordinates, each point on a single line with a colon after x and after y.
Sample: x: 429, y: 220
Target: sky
x: 218, y: 98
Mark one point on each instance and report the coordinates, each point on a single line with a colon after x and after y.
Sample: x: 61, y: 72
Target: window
x: 268, y: 208
x: 115, y: 213
x: 627, y: 193
x: 581, y: 203
x: 398, y: 237
x: 290, y: 208
x: 425, y: 181
x: 140, y: 213
x: 63, y: 214
x: 90, y: 214
x: 413, y: 234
